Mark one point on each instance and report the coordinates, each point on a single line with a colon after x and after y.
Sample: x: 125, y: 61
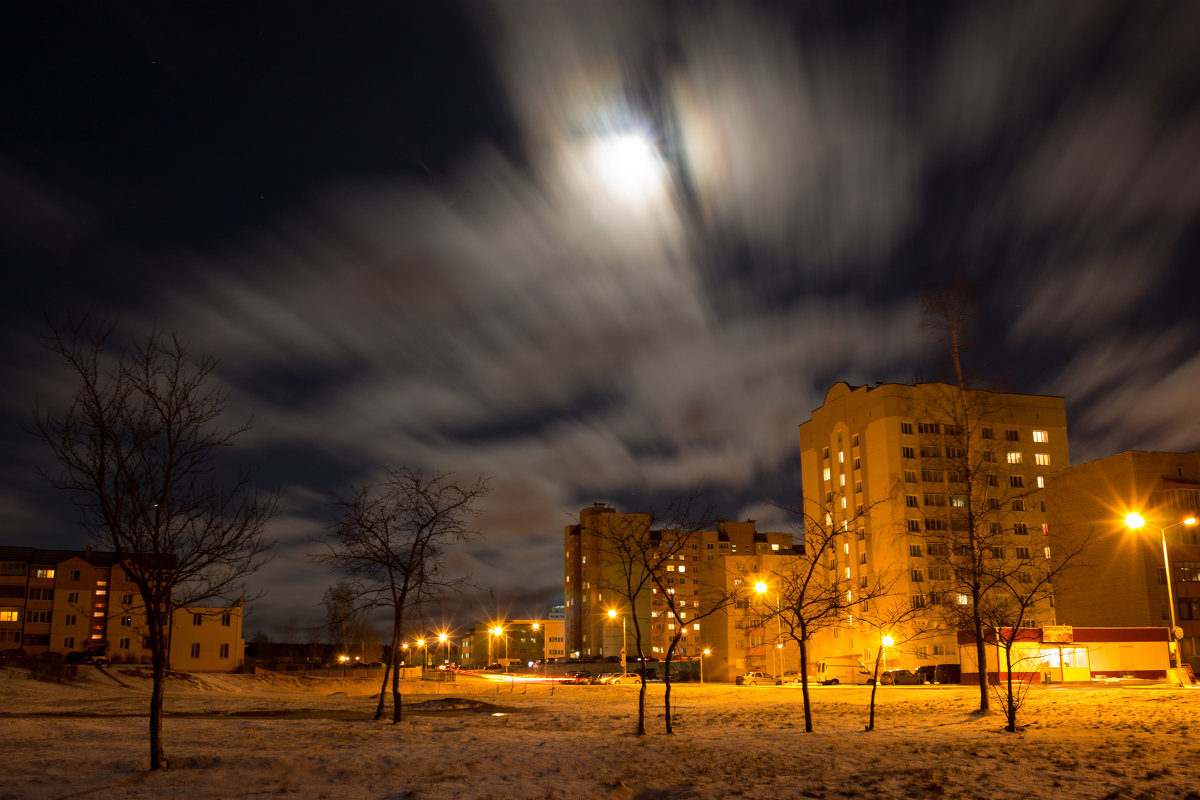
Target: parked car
x: 12, y: 654
x: 602, y: 678
x: 941, y: 673
x: 628, y: 677
x: 86, y: 658
x: 901, y: 677
x: 755, y: 678
x: 580, y: 676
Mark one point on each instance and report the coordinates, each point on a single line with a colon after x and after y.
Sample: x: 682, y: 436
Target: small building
x: 1064, y: 654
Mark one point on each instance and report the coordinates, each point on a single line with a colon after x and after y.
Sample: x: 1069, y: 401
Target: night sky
x: 594, y: 251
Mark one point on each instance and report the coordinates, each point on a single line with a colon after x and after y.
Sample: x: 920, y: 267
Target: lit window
x: 1041, y: 436
x: 1014, y: 458
x: 43, y: 572
x: 846, y: 548
x: 682, y: 568
x: 1041, y: 481
x: 696, y: 626
x: 1041, y: 459
x: 828, y: 473
x: 8, y: 615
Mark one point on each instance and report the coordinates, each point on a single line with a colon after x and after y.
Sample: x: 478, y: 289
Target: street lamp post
x: 445, y: 640
x: 424, y: 653
x: 761, y: 588
x: 702, y: 655
x: 612, y: 614
x: 499, y: 631
x: 1135, y: 522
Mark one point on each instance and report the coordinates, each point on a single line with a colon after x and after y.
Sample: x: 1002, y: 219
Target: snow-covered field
x: 234, y: 736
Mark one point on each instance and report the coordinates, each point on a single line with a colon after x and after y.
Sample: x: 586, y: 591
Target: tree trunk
x: 1011, y: 710
x: 981, y: 657
x: 667, y: 684
x: 397, y: 637
x: 808, y: 725
x: 158, y: 657
x: 387, y: 671
x: 874, y: 688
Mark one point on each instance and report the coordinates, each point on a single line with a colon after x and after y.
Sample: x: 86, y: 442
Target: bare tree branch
x: 138, y: 448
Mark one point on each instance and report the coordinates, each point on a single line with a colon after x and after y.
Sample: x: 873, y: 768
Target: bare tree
x: 899, y: 623
x: 1021, y: 585
x: 391, y: 539
x: 137, y: 446
x: 628, y: 542
x: 678, y: 597
x: 346, y: 622
x: 977, y: 539
x: 812, y: 595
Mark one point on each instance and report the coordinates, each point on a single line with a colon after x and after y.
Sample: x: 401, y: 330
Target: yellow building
x: 893, y: 470
x: 1125, y: 582
x: 66, y: 601
x: 592, y: 571
x: 747, y: 635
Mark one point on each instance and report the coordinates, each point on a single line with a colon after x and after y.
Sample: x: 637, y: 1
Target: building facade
x: 593, y: 573
x: 514, y: 642
x: 1125, y: 582
x: 65, y: 601
x: 895, y: 472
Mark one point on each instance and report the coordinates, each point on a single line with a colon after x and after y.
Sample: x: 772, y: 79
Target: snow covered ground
x: 234, y: 736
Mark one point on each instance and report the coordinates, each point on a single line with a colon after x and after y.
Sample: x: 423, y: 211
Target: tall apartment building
x: 591, y: 571
x: 63, y: 601
x: 894, y: 469
x: 1124, y: 581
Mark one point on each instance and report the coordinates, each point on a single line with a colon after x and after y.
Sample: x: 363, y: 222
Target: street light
x: 424, y: 653
x: 1135, y: 522
x: 499, y: 631
x: 612, y: 614
x: 707, y: 652
x: 761, y: 588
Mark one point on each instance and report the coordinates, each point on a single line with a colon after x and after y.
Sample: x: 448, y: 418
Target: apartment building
x: 896, y: 472
x: 64, y: 601
x: 747, y: 635
x: 514, y: 641
x: 592, y: 572
x: 1125, y: 581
